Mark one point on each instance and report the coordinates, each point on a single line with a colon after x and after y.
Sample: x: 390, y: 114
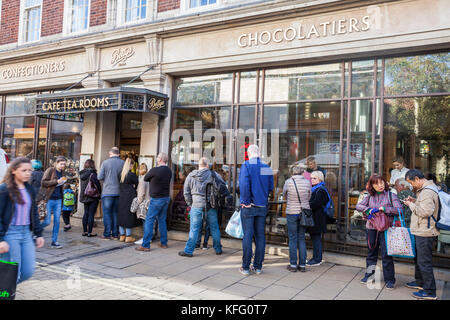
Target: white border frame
x: 67, y: 22
x: 21, y: 35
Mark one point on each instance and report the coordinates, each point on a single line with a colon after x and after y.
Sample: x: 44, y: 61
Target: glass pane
x: 301, y: 133
x: 417, y: 74
x: 359, y: 164
x: 18, y: 137
x: 216, y: 89
x: 379, y: 75
x: 247, y: 92
x: 42, y: 143
x: 19, y: 104
x: 362, y: 78
x: 303, y: 83
x: 66, y: 141
x: 246, y: 132
x: 199, y: 132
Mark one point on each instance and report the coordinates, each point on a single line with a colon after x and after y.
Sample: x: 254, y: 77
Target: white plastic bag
x: 234, y: 226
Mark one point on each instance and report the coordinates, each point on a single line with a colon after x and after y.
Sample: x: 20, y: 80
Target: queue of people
x: 305, y: 191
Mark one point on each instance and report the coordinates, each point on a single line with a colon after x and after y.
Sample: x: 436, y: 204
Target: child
x: 68, y: 205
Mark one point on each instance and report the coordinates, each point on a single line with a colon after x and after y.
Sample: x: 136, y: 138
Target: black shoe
x: 90, y: 235
x: 84, y: 234
x: 301, y: 268
x: 291, y: 268
x: 219, y: 253
x: 184, y: 254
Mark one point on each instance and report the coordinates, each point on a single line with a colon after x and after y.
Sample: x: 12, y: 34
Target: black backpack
x: 217, y: 194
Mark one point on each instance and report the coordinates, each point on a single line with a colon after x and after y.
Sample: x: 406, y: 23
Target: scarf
x: 317, y: 186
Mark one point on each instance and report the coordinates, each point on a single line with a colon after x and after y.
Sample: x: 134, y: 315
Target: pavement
x: 96, y: 269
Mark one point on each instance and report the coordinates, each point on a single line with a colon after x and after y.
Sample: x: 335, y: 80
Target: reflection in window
x: 362, y: 78
x: 303, y: 83
x: 18, y: 137
x: 215, y: 89
x: 20, y: 104
x: 417, y: 74
x: 32, y: 20
x: 80, y: 15
x: 135, y: 10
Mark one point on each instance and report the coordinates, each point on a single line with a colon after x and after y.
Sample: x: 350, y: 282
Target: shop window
x: 247, y: 92
x: 19, y: 104
x: 417, y: 74
x: 31, y: 20
x: 42, y: 142
x: 77, y: 15
x: 362, y: 78
x: 205, y: 90
x: 303, y: 83
x: 18, y: 137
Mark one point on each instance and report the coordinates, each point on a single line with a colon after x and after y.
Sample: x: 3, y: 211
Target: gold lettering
x: 44, y: 106
x: 94, y: 103
x: 107, y: 102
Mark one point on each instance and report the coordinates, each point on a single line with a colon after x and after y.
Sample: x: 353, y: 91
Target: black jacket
x: 7, y: 207
x: 317, y: 202
x: 84, y: 180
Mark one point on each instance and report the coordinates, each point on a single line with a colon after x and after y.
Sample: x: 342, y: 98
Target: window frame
x: 68, y: 18
x: 121, y: 13
x: 185, y: 8
x: 22, y: 25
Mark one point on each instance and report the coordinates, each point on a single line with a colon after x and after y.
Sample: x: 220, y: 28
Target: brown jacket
x: 427, y: 204
x: 48, y: 184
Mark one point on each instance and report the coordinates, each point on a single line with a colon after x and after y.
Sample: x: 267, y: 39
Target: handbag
x: 379, y: 222
x: 134, y: 205
x: 42, y: 210
x: 399, y: 240
x: 8, y: 279
x: 306, y: 215
x: 234, y: 226
x: 141, y: 212
x: 91, y: 189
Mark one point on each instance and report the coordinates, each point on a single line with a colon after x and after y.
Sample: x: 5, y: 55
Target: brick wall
x: 52, y: 17
x: 98, y: 12
x: 166, y: 5
x: 9, y: 28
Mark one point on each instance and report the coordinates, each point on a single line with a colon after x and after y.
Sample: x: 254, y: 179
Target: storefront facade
x: 353, y: 84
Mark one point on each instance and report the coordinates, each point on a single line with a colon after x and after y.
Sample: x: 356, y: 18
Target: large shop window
x: 18, y: 137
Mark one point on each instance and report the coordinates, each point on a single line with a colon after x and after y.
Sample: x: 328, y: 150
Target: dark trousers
x: 423, y: 264
x: 372, y: 256
x: 253, y: 223
x: 88, y: 217
x: 66, y: 217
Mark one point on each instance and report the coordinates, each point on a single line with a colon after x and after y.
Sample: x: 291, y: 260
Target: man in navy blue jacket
x: 255, y: 184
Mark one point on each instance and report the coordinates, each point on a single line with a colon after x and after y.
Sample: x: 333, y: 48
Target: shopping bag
x: 399, y: 240
x: 234, y: 226
x: 8, y: 279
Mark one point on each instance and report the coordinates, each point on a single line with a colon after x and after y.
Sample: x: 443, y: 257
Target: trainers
x: 368, y: 278
x: 390, y: 285
x: 313, y: 263
x: 301, y: 268
x: 205, y: 248
x: 244, y: 272
x: 413, y: 285
x: 422, y: 295
x: 105, y: 238
x: 184, y: 254
x: 256, y: 271
x: 291, y: 268
x: 56, y: 245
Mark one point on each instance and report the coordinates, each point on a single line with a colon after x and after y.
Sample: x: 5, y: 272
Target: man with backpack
x: 203, y: 191
x: 425, y: 211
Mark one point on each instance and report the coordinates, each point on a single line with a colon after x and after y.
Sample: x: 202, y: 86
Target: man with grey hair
x: 404, y: 190
x: 255, y: 184
x: 110, y: 171
x: 195, y: 188
x: 159, y: 179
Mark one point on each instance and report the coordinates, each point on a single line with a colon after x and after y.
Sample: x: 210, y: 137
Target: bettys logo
x: 155, y: 104
x: 121, y: 55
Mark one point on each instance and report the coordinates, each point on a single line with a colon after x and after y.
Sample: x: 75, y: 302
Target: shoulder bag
x: 306, y: 218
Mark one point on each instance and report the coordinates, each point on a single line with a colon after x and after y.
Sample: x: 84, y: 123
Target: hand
x: 407, y: 202
x: 410, y: 199
x: 246, y: 206
x: 4, y: 247
x: 40, y: 242
x: 61, y: 180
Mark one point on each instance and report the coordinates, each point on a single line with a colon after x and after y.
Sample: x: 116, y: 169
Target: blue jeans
x: 125, y: 231
x: 156, y: 210
x: 53, y: 206
x: 207, y: 235
x: 316, y: 239
x: 21, y: 250
x: 297, y: 243
x: 110, y: 207
x: 253, y: 223
x: 196, y: 220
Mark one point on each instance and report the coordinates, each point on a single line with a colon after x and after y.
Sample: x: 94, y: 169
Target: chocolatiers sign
x: 65, y: 105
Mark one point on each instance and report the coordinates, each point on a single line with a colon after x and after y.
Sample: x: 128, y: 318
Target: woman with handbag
x: 19, y: 219
x: 143, y: 195
x: 90, y: 193
x: 297, y: 191
x: 379, y: 209
x: 319, y: 200
x: 127, y: 192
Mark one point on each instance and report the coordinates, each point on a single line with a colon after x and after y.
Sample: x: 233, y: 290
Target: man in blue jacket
x: 255, y: 182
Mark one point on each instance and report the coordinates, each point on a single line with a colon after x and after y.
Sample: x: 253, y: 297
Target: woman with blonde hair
x: 125, y: 219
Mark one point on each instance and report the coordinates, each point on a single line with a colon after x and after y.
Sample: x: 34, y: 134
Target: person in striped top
x: 379, y: 201
x: 19, y: 218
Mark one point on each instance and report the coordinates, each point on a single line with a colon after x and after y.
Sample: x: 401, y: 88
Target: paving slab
x: 243, y: 290
x: 324, y: 288
x: 276, y: 292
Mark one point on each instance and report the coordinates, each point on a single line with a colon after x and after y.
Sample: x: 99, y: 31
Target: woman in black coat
x: 90, y: 203
x: 125, y: 219
x: 318, y: 201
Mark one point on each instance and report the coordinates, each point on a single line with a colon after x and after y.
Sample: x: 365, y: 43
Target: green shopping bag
x: 8, y: 279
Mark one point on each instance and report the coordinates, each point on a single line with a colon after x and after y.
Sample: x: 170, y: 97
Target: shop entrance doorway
x: 128, y: 135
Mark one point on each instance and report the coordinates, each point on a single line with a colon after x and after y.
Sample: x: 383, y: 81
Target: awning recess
x: 72, y: 105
